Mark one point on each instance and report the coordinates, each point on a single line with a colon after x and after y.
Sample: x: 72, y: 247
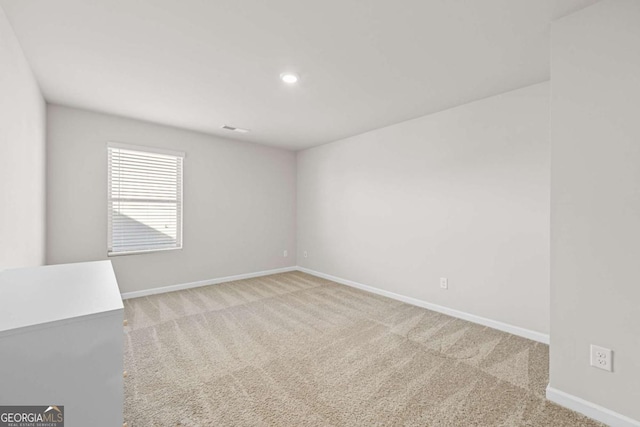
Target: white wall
x: 595, y: 203
x: 22, y: 157
x: 462, y: 194
x: 239, y: 201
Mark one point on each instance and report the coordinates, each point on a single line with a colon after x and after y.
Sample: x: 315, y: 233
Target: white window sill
x: 143, y: 251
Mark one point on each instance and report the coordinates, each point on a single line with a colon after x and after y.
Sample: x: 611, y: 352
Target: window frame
x: 179, y: 227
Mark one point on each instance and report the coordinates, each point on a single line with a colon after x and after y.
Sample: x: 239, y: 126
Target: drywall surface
x: 595, y: 203
x: 239, y: 201
x: 22, y: 157
x: 461, y: 194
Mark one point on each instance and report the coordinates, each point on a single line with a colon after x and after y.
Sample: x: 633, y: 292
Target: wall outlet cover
x: 601, y: 358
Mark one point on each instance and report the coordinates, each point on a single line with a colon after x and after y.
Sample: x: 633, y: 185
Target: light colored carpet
x: 294, y: 350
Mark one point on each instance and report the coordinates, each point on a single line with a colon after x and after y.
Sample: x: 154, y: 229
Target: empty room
x: 319, y: 213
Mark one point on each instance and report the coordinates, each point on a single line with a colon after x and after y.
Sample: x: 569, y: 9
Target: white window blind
x: 145, y: 200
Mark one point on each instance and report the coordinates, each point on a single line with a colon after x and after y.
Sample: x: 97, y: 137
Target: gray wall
x: 239, y: 201
x: 595, y: 203
x: 22, y: 157
x: 462, y: 194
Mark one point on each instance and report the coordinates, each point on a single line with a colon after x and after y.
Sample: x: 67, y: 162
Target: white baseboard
x: 526, y: 333
x: 171, y: 288
x: 591, y: 410
x: 515, y: 330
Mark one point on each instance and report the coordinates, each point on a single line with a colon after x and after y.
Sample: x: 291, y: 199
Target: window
x: 144, y: 200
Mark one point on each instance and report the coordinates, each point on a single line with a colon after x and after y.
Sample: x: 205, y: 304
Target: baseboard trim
x: 505, y: 327
x: 591, y: 410
x: 515, y: 330
x: 199, y: 283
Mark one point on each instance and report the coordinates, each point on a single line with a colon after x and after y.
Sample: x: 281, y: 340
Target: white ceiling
x: 363, y: 64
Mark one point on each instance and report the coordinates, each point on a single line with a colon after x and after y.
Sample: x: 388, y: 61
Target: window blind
x: 144, y: 200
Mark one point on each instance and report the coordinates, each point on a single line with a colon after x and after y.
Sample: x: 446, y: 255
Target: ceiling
x: 363, y: 64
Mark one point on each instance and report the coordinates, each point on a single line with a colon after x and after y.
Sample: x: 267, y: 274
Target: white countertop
x: 39, y: 296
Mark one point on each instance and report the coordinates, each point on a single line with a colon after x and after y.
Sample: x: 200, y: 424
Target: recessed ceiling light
x: 290, y: 78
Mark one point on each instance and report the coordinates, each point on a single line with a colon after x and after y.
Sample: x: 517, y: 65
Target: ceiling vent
x: 234, y: 129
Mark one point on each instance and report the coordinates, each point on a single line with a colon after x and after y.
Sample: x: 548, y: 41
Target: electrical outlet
x: 306, y: 255
x: 444, y: 283
x: 601, y: 358
x: 285, y: 253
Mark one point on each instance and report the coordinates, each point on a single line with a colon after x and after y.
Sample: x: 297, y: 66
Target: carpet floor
x: 295, y: 350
